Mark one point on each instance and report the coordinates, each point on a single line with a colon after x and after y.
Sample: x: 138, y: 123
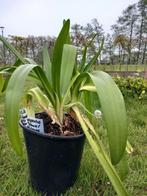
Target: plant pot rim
x: 45, y: 135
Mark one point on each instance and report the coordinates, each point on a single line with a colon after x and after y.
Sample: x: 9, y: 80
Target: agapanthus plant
x: 60, y: 85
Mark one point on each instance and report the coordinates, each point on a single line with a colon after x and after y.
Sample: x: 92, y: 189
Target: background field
x: 122, y: 67
x: 92, y: 180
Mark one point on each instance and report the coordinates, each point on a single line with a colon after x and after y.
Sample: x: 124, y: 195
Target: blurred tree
x: 121, y: 41
x: 127, y: 22
x: 141, y: 30
x: 108, y: 51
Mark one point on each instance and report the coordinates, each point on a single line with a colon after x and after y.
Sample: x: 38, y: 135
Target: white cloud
x: 44, y: 17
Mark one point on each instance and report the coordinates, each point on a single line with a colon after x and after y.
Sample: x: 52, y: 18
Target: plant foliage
x: 132, y: 86
x: 60, y: 85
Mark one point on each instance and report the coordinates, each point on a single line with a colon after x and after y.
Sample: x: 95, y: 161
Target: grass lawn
x: 122, y: 67
x: 92, y: 180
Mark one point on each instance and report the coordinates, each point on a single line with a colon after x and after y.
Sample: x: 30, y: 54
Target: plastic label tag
x: 35, y: 124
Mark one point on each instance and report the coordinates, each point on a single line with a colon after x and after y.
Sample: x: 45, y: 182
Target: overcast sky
x: 44, y: 17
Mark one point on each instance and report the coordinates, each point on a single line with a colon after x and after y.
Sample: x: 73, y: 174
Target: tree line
x: 127, y: 44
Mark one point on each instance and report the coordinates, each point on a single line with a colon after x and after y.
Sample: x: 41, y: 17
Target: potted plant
x: 62, y: 85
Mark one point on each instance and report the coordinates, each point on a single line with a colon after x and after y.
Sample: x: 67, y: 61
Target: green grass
x: 92, y: 180
x: 122, y: 67
x: 119, y: 67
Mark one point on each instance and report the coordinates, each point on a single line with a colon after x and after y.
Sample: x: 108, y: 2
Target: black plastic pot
x: 53, y: 160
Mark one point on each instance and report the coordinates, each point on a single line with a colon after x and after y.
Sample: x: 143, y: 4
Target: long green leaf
x: 67, y: 95
x: 67, y: 66
x: 7, y: 70
x: 83, y: 61
x: 12, y: 49
x: 93, y: 60
x: 114, y: 113
x: 88, y: 88
x: 76, y: 86
x: 45, y: 84
x: 57, y: 55
x: 87, y: 100
x: 1, y: 83
x: 47, y: 63
x: 13, y: 96
x: 40, y: 96
x: 68, y: 38
x: 6, y: 80
x: 122, y: 167
x: 102, y: 156
x: 17, y: 63
x: 31, y: 61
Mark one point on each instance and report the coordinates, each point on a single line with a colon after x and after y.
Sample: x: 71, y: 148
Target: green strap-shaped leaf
x: 13, y: 96
x: 57, y: 55
x: 76, y: 86
x: 87, y: 100
x: 12, y: 49
x: 40, y: 96
x: 45, y: 84
x: 7, y: 70
x: 1, y: 83
x: 88, y: 88
x: 31, y: 61
x: 67, y: 66
x: 47, y: 63
x: 122, y: 167
x: 17, y: 63
x: 114, y: 113
x: 100, y: 154
x: 68, y: 38
x: 93, y: 60
x: 6, y: 80
x: 69, y: 89
x: 83, y: 61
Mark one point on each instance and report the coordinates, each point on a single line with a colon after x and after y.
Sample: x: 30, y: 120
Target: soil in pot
x: 70, y: 126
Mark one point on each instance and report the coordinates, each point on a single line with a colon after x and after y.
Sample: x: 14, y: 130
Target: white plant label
x: 33, y: 123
